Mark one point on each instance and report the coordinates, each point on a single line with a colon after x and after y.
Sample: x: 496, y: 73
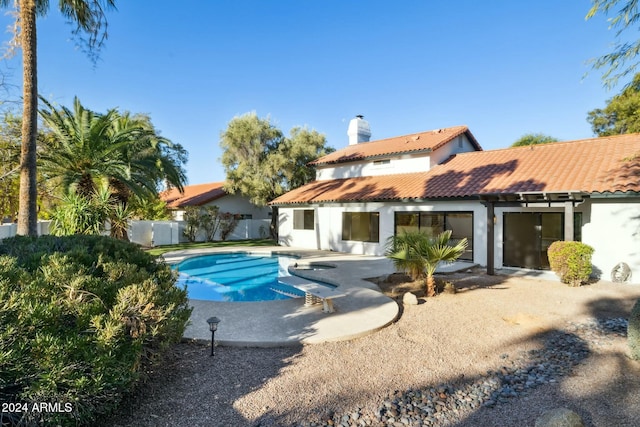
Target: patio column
x: 568, y: 221
x: 316, y: 226
x: 490, y: 238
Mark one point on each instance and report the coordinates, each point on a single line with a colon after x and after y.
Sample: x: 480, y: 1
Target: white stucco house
x: 211, y: 194
x: 511, y: 204
x: 254, y: 220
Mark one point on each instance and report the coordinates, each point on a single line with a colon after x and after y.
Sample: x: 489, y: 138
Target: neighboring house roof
x: 417, y: 142
x: 598, y: 165
x: 193, y: 195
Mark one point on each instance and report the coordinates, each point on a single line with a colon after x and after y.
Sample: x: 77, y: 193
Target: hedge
x: 81, y: 319
x: 571, y: 261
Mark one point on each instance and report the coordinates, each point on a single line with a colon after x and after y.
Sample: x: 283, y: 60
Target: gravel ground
x: 498, y: 353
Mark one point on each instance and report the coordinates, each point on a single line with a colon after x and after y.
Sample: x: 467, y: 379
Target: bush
x: 571, y: 261
x: 192, y: 218
x: 633, y: 331
x: 228, y: 223
x: 81, y: 319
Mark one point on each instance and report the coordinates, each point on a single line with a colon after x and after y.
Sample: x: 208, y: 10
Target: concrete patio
x: 362, y: 311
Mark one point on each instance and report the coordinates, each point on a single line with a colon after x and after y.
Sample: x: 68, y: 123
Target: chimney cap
x: 359, y: 116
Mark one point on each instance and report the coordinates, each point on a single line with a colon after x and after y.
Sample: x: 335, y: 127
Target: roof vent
x: 359, y: 130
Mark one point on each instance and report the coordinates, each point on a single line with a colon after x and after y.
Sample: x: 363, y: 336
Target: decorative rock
x: 560, y: 417
x: 446, y: 404
x: 409, y: 299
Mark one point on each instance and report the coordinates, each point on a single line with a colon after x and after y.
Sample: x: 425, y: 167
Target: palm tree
x: 153, y: 160
x: 83, y: 154
x: 90, y: 152
x: 89, y: 17
x: 91, y: 149
x: 420, y: 254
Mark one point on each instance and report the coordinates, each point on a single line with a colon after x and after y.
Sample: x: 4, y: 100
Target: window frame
x: 306, y: 222
x: 373, y: 234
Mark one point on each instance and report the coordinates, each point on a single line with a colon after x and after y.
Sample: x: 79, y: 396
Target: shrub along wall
x: 571, y: 261
x: 81, y: 317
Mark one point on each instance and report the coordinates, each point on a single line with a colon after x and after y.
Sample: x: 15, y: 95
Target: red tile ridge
x: 395, y: 145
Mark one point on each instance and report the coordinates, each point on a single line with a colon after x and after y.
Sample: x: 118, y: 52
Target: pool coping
x: 362, y: 311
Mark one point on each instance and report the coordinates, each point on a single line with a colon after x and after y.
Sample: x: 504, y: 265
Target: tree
x: 621, y: 113
x: 420, y: 254
x: 210, y: 221
x: 533, y: 139
x: 621, y: 61
x: 262, y: 164
x: 192, y: 218
x: 149, y: 208
x: 228, y: 223
x: 10, y: 137
x: 247, y: 145
x: 89, y: 17
x: 9, y: 165
x: 153, y: 160
x: 123, y: 154
x: 296, y: 152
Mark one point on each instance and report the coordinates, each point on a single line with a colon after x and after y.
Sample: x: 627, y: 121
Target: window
x: 361, y: 226
x: 303, y: 219
x: 381, y: 162
x: 434, y: 223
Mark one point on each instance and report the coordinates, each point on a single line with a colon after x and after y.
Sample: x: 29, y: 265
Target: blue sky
x: 502, y: 67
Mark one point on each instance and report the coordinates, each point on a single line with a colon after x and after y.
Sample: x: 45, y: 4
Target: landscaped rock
x: 446, y: 404
x: 409, y: 299
x: 560, y: 417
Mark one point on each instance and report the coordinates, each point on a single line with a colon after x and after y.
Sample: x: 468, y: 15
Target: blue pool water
x: 236, y: 277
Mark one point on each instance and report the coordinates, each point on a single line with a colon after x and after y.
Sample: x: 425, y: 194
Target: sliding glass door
x: 528, y: 235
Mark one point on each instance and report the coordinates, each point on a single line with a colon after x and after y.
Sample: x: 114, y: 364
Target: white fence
x: 10, y: 229
x: 157, y: 233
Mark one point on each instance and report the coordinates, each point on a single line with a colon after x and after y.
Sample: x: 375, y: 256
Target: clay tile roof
x: 424, y: 141
x: 599, y: 165
x: 193, y: 195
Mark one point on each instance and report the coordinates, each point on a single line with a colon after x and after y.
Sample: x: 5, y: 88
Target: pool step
x: 285, y: 293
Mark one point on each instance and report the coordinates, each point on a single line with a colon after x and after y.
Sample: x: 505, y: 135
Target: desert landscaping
x: 501, y: 351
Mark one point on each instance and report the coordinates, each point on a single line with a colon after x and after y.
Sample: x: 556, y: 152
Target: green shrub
x: 571, y: 261
x: 81, y: 319
x: 633, y: 331
x: 228, y: 223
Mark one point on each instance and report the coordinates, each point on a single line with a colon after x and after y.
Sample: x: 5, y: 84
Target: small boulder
x: 409, y: 299
x: 559, y: 417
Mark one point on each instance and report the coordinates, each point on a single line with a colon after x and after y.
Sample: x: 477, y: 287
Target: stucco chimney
x: 359, y: 130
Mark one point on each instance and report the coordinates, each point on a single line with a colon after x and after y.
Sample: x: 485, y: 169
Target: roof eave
x: 376, y: 157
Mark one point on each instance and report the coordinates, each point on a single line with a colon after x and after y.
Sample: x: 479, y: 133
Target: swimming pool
x: 236, y: 277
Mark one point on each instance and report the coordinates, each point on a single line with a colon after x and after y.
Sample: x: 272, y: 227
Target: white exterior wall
x: 539, y: 207
x: 460, y: 144
x: 327, y: 234
x: 613, y: 230
x: 233, y: 203
x: 398, y: 164
x: 611, y: 227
